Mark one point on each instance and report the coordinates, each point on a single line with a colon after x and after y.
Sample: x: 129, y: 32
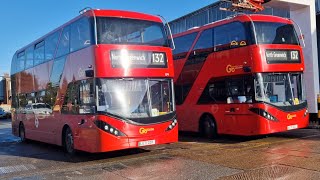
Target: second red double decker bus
x: 242, y: 75
x: 101, y: 82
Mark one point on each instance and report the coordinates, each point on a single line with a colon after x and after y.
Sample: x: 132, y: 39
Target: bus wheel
x: 22, y: 133
x: 208, y: 127
x: 68, y: 141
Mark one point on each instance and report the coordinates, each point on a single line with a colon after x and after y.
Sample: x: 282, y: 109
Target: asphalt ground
x: 289, y: 155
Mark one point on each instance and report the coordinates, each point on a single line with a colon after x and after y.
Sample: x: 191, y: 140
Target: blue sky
x: 23, y: 21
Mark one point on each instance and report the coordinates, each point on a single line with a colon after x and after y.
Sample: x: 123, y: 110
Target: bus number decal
x: 294, y: 55
x: 158, y: 58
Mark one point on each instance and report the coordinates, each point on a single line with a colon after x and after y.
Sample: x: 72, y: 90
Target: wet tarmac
x: 5, y: 131
x: 290, y: 155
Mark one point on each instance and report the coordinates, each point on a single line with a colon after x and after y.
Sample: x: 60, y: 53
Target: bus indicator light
x: 172, y: 125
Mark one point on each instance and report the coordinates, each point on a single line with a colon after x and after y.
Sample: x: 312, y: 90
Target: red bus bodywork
x: 247, y: 60
x: 49, y: 127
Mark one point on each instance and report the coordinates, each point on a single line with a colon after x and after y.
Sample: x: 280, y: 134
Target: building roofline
x: 198, y: 11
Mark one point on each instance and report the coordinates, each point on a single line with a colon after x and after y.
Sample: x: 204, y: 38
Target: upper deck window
x: 38, y: 53
x: 64, y: 44
x: 29, y: 57
x: 80, y: 34
x: 130, y: 31
x: 51, y: 45
x: 20, y: 61
x: 183, y: 45
x: 275, y: 33
x: 229, y: 36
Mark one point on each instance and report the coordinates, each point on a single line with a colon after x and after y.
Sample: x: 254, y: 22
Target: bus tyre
x: 22, y: 133
x: 208, y: 127
x: 68, y: 141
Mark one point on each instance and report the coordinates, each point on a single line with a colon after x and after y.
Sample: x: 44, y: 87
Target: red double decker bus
x: 101, y: 82
x: 242, y: 75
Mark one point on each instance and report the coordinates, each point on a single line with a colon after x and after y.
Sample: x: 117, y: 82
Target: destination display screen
x: 137, y: 59
x: 283, y: 56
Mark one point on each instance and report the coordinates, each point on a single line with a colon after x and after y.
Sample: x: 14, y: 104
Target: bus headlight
x: 263, y: 113
x: 108, y: 128
x: 306, y: 113
x: 172, y: 125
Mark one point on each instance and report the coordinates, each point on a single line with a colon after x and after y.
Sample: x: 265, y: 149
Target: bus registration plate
x: 146, y: 143
x: 292, y: 127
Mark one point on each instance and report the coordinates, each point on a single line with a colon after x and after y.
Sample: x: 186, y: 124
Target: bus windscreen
x: 280, y: 89
x: 275, y: 33
x: 130, y: 31
x: 136, y: 98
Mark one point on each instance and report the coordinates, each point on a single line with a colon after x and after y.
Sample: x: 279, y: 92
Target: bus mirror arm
x: 170, y: 32
x: 301, y: 35
x: 89, y: 73
x: 246, y: 69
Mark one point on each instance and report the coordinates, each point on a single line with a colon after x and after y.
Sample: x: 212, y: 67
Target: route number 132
x: 158, y: 58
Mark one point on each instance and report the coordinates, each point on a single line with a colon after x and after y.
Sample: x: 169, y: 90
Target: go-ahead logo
x: 145, y: 130
x: 230, y: 68
x: 291, y: 116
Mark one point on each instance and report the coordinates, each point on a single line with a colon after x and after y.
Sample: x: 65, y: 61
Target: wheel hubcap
x: 207, y: 127
x: 69, y: 142
x: 21, y: 133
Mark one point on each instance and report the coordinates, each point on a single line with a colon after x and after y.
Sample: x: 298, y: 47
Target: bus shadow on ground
x: 306, y: 133
x: 39, y: 150
x: 232, y: 139
x: 223, y: 139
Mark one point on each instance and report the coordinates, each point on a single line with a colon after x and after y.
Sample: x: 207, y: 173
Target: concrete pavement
x: 290, y: 155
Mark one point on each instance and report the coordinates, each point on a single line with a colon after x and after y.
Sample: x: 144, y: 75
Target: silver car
x: 4, y: 114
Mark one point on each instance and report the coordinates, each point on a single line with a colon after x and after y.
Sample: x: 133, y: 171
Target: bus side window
x: 51, y: 45
x: 86, y: 97
x: 64, y: 44
x: 183, y: 45
x: 234, y: 95
x: 31, y: 98
x: 203, y: 47
x: 29, y: 57
x: 80, y: 34
x: 215, y: 92
x: 225, y: 36
x: 57, y: 70
x: 70, y: 104
x: 240, y: 90
x: 22, y: 101
x: 20, y: 61
x: 38, y: 53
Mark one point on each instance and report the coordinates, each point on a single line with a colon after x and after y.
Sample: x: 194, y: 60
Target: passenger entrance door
x: 239, y: 100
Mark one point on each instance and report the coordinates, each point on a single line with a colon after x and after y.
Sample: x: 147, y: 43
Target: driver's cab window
x: 86, y: 97
x: 160, y: 97
x: 71, y: 100
x: 240, y: 90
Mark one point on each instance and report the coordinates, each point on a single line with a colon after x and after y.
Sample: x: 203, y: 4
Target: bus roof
x: 239, y: 17
x: 100, y: 13
x: 126, y: 14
